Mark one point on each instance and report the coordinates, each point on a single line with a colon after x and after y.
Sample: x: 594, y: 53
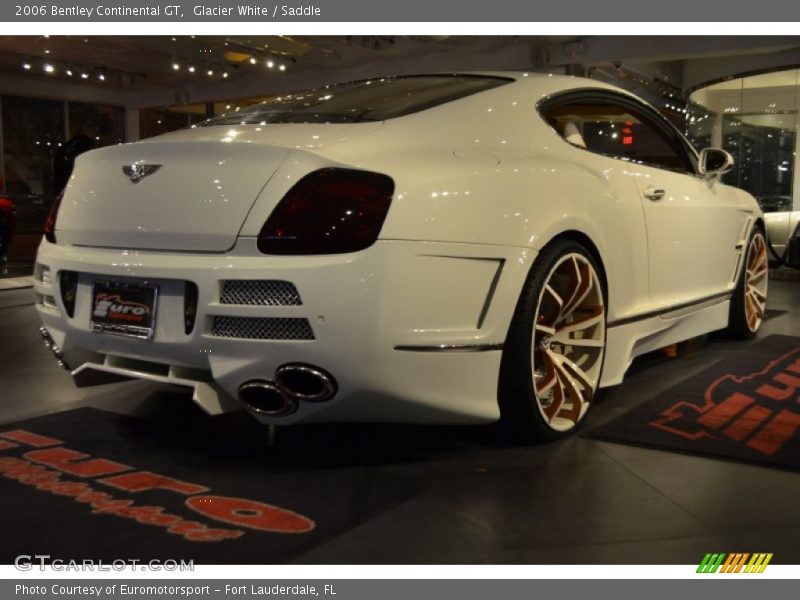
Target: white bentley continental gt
x: 433, y: 249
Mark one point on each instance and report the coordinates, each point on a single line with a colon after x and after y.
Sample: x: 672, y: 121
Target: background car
x: 771, y: 204
x: 7, y: 228
x: 781, y: 226
x: 436, y: 249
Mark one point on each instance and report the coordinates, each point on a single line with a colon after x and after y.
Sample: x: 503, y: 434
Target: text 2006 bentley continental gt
x: 434, y: 249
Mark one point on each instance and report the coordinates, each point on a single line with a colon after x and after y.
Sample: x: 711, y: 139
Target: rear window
x: 361, y: 101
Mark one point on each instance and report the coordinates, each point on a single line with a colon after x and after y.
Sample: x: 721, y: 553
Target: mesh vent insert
x: 260, y: 292
x: 262, y: 328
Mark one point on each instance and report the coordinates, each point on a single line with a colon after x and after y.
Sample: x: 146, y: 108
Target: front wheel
x: 749, y: 300
x: 554, y: 350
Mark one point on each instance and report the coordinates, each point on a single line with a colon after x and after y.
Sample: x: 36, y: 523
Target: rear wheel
x: 555, y: 346
x: 749, y: 300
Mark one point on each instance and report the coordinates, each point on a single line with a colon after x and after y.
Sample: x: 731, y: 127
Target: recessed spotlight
x: 176, y: 67
x: 270, y: 64
x: 69, y: 72
x: 84, y: 76
x: 253, y: 60
x: 48, y: 68
x: 101, y: 77
x: 210, y: 72
x: 191, y: 68
x: 282, y: 67
x: 225, y: 75
x: 26, y: 66
x: 46, y: 51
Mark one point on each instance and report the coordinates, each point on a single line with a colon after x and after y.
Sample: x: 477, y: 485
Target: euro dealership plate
x: 124, y: 308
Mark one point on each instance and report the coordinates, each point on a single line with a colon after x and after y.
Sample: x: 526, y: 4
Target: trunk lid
x: 196, y: 187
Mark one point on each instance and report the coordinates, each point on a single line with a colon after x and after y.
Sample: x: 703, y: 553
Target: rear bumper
x: 411, y: 331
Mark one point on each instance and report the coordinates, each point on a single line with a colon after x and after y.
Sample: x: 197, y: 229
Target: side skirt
x: 630, y: 339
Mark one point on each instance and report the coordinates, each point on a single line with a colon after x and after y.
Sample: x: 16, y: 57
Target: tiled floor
x: 481, y: 500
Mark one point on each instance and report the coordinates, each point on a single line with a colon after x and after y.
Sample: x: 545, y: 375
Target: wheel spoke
x: 555, y: 296
x: 584, y: 285
x: 548, y: 379
x: 575, y: 386
x: 541, y: 327
x: 551, y: 410
x: 755, y: 284
x: 757, y: 303
x: 594, y: 318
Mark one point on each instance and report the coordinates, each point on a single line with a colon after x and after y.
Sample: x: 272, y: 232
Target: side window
x: 618, y: 131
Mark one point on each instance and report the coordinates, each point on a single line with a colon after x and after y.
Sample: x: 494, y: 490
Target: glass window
x: 155, y: 121
x: 101, y: 123
x: 763, y: 146
x: 619, y: 131
x: 33, y: 130
x: 369, y: 100
x: 755, y: 119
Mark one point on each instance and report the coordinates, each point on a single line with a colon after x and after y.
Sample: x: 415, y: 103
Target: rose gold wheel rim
x: 568, y: 342
x: 755, y: 282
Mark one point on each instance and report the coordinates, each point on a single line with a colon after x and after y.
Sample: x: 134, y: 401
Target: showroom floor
x: 470, y: 498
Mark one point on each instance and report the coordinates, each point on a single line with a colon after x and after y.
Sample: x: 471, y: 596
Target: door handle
x: 654, y: 194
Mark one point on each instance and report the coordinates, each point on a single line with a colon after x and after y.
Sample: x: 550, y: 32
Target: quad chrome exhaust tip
x: 51, y: 345
x: 266, y: 398
x: 305, y: 382
x: 294, y: 383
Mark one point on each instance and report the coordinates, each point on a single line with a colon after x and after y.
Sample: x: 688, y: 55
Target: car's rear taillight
x: 330, y: 211
x: 50, y: 222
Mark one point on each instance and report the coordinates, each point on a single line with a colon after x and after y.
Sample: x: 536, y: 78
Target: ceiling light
x: 176, y: 67
x: 84, y: 76
x: 210, y: 72
x: 46, y: 51
x: 282, y: 67
x: 48, y: 68
x: 69, y: 72
x: 101, y: 77
x: 225, y: 75
x: 253, y: 60
x: 26, y: 66
x: 270, y: 64
x: 191, y: 68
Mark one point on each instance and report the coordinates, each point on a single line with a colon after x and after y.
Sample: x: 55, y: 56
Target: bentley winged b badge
x: 137, y: 171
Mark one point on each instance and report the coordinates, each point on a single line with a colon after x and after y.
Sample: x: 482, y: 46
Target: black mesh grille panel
x: 259, y: 292
x: 263, y: 328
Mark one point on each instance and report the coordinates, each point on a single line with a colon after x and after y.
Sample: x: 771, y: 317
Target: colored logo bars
x: 735, y: 562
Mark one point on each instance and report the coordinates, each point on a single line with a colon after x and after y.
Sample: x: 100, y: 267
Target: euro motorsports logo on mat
x: 738, y: 562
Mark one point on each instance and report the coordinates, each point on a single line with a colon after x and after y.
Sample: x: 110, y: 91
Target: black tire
x: 522, y: 413
x: 741, y: 324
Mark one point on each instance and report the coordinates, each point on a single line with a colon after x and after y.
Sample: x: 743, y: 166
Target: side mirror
x: 714, y: 161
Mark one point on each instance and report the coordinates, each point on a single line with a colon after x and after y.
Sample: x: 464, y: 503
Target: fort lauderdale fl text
x: 171, y: 10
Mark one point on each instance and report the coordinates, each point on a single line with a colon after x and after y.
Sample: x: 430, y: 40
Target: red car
x: 8, y: 224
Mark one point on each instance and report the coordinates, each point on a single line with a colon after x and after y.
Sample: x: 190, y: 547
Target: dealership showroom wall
x: 375, y: 492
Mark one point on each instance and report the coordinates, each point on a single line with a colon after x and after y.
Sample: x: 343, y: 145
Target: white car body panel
x: 473, y: 206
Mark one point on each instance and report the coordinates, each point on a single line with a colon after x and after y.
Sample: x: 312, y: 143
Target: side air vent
x: 259, y: 292
x: 262, y: 328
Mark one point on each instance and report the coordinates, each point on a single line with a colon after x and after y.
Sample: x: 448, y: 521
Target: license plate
x: 124, y: 308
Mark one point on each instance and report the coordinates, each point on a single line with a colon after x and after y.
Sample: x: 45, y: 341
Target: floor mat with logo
x: 747, y: 407
x: 88, y: 483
